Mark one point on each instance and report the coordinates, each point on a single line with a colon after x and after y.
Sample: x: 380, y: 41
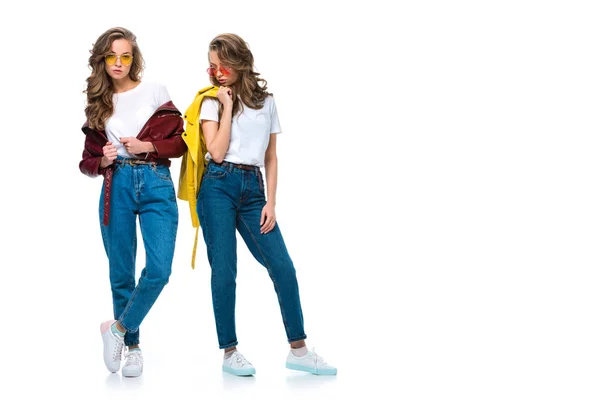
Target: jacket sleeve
x: 90, y: 159
x: 171, y: 144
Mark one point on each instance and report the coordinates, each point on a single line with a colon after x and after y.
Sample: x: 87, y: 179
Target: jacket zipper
x: 164, y: 115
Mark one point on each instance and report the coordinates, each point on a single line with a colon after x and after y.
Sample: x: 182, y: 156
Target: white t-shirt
x: 250, y: 130
x: 133, y: 109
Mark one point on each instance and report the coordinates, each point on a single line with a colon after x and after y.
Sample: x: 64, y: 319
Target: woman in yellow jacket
x: 240, y: 128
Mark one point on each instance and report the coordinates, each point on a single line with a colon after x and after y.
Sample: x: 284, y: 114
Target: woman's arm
x: 267, y: 218
x: 172, y: 144
x: 95, y: 158
x: 218, y: 134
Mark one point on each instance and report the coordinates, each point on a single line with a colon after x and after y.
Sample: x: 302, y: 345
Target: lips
x: 117, y: 71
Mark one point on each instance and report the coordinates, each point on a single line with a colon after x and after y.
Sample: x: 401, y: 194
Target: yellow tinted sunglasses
x: 111, y: 59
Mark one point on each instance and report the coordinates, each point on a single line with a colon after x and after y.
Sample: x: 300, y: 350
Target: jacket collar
x: 193, y: 111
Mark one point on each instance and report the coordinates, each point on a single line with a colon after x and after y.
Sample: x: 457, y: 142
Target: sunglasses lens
x: 213, y: 71
x: 110, y: 59
x: 126, y: 59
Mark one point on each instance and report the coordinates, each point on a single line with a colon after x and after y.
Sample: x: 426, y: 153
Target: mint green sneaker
x: 310, y: 362
x: 134, y: 364
x: 236, y: 364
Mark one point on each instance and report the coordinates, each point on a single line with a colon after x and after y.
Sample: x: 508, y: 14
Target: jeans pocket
x: 215, y: 172
x: 162, y: 172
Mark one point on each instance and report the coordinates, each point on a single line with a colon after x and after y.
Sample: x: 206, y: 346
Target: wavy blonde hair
x: 233, y: 51
x: 100, y: 88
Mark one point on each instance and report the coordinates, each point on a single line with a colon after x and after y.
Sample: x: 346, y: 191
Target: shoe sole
x: 239, y: 372
x: 126, y: 375
x: 313, y: 371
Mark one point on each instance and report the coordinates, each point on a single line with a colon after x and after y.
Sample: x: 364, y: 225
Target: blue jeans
x: 145, y: 191
x: 230, y: 199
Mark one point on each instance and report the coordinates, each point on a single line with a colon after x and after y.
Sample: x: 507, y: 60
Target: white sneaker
x: 113, y: 346
x: 236, y: 364
x: 134, y: 364
x: 310, y: 362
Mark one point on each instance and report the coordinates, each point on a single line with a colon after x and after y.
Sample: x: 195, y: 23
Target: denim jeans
x: 230, y: 199
x: 146, y: 191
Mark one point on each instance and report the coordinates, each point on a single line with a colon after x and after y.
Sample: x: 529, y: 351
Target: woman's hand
x: 136, y: 146
x: 267, y: 218
x: 225, y: 95
x: 110, y: 154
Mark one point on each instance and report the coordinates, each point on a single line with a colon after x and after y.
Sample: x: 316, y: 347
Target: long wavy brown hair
x: 233, y: 51
x: 100, y: 88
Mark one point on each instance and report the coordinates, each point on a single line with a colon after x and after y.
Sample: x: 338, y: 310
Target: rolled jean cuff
x: 229, y: 345
x: 296, y: 339
x: 126, y: 328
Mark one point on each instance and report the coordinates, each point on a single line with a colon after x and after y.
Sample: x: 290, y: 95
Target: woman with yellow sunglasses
x: 132, y: 130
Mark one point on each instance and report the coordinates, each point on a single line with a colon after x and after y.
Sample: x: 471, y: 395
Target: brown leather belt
x: 239, y: 166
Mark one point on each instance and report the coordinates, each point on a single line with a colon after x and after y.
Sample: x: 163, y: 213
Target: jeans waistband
x: 238, y: 166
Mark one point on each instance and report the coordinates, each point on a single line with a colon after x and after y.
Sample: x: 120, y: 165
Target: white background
x: 438, y: 194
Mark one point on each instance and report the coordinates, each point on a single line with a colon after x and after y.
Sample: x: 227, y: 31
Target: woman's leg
x: 120, y: 243
x: 157, y: 209
x: 217, y: 214
x: 270, y: 251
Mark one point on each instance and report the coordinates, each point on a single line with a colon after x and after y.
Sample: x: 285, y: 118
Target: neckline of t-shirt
x: 130, y: 90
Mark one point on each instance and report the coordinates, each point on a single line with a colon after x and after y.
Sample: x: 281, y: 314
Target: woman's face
x: 226, y: 75
x: 121, y: 57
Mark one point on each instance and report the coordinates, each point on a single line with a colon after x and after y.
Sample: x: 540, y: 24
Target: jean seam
x: 135, y: 287
x: 128, y: 307
x: 267, y: 265
x: 209, y: 248
x: 126, y: 327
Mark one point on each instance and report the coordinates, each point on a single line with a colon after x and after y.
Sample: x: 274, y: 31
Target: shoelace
x: 133, y: 358
x: 118, y: 352
x: 317, y: 359
x: 239, y: 358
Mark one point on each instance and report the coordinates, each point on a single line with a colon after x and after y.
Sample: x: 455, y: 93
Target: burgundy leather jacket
x: 163, y: 129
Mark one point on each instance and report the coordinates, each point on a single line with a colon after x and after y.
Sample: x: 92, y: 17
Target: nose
x: 118, y: 62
